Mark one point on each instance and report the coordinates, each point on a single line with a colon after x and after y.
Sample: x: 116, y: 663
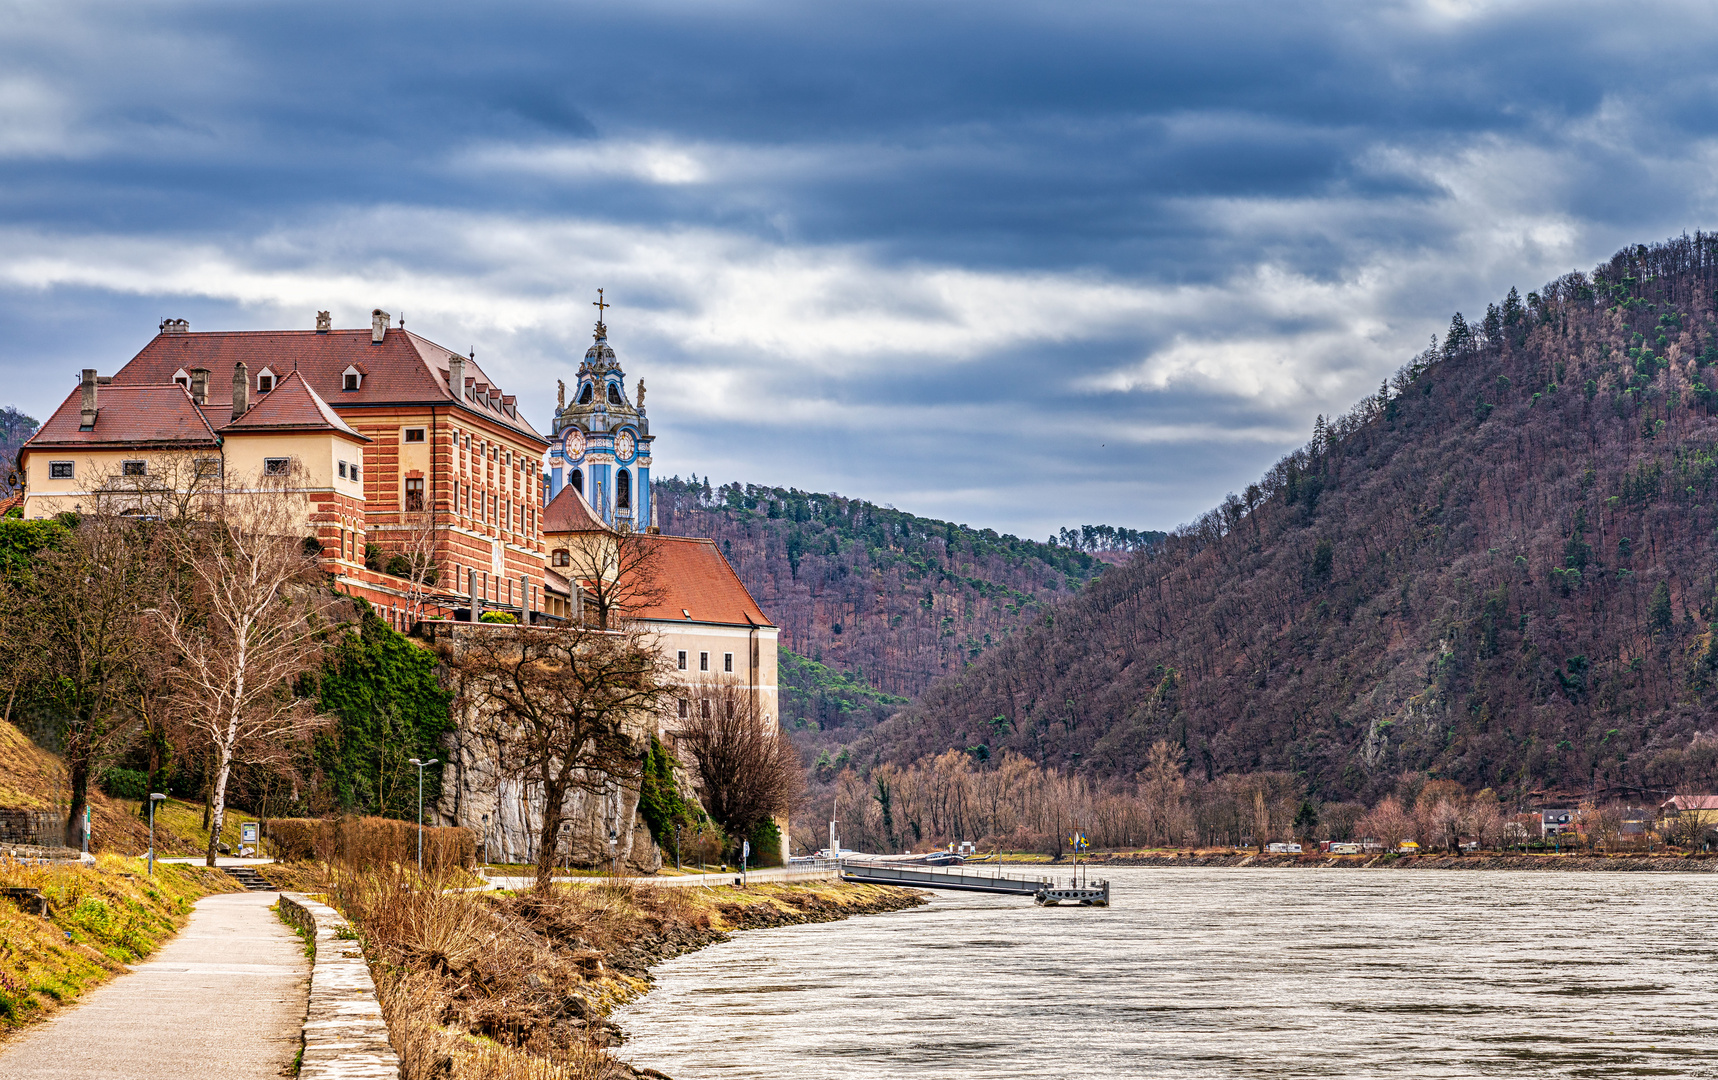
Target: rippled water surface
x: 1213, y: 973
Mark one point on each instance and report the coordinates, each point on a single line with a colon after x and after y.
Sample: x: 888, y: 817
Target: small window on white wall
x: 59, y: 470
x: 682, y: 659
x: 414, y: 434
x: 265, y: 381
x: 728, y: 662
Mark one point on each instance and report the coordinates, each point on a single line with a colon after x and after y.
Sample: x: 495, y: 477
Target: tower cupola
x: 601, y: 438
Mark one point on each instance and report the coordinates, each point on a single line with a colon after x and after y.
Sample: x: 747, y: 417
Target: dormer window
x: 351, y: 378
x: 265, y: 381
x: 182, y: 378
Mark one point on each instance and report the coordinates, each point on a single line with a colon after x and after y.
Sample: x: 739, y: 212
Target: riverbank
x: 484, y: 986
x: 1623, y: 862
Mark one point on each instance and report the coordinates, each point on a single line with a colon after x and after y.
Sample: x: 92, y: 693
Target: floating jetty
x: 1045, y: 891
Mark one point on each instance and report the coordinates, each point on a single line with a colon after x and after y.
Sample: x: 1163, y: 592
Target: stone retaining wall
x: 345, y: 1035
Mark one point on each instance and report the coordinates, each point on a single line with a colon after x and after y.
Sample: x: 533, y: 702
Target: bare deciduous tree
x: 243, y: 628
x: 564, y: 706
x: 617, y: 571
x: 747, y: 770
x: 87, y: 643
x: 410, y: 555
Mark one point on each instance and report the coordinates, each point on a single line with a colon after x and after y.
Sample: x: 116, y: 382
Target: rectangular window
x: 728, y: 662
x: 685, y: 708
x: 265, y: 383
x: 355, y: 470
x: 414, y: 494
x: 59, y: 470
x: 682, y: 659
x: 414, y: 434
x: 704, y: 708
x: 207, y: 467
x: 351, y: 381
x: 342, y: 470
x: 276, y: 466
x: 132, y: 468
x: 703, y: 661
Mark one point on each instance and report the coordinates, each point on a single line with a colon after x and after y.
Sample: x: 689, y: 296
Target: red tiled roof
x: 11, y: 502
x: 698, y: 585
x: 568, y: 512
x: 291, y: 406
x: 402, y: 369
x: 143, y: 416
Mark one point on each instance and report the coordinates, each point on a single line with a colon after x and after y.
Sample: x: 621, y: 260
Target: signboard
x: 248, y: 832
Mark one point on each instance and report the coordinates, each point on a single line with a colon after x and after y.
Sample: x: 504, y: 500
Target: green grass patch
x: 100, y: 919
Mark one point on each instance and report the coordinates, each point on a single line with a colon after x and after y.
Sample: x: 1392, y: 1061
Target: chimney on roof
x: 456, y: 377
x: 175, y: 326
x: 200, y: 385
x: 87, y: 419
x: 324, y: 322
x: 379, y: 321
x: 241, y: 389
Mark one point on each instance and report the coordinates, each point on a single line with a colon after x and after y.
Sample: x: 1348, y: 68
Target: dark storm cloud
x: 1025, y: 265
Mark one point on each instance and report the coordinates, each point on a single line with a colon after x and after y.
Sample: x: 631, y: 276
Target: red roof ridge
x: 574, y: 515
x: 293, y: 405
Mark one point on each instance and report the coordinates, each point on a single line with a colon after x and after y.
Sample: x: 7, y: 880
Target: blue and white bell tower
x: 600, y: 443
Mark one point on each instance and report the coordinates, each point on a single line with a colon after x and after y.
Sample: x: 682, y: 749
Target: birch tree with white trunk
x: 244, y: 626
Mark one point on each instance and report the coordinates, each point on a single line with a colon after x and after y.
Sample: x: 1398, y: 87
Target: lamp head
x: 156, y: 796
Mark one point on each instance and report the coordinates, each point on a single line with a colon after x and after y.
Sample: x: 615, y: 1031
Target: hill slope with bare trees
x: 1499, y: 569
x: 874, y: 603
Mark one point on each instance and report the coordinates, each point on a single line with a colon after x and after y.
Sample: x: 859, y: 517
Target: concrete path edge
x: 345, y: 1034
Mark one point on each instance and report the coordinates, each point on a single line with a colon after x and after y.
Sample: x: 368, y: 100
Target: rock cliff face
x: 506, y: 811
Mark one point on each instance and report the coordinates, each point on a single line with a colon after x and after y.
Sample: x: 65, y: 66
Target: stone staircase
x: 249, y: 878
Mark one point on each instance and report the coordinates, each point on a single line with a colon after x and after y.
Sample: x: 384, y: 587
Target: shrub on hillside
x: 125, y: 783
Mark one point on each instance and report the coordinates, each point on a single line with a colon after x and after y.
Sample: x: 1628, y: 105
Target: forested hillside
x: 1500, y: 569
x: 874, y: 602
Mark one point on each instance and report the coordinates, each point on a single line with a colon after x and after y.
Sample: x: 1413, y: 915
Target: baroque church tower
x: 601, y: 441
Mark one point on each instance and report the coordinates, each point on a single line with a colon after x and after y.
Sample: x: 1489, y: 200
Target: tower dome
x: 601, y: 438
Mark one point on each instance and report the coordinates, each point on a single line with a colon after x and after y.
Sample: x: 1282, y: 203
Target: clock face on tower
x: 624, y: 446
x: 575, y: 442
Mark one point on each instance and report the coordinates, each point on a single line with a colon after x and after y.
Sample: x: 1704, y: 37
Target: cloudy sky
x: 1022, y: 266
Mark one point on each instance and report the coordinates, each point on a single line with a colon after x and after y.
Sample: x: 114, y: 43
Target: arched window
x: 585, y: 395
x: 623, y: 490
x: 614, y: 395
x: 578, y: 481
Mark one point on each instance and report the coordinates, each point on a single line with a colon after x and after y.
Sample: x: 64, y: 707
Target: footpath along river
x: 1218, y: 973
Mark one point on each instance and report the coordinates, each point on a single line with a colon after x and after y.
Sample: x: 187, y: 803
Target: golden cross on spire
x: 599, y: 305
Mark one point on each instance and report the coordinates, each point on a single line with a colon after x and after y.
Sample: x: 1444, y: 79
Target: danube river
x: 1218, y: 973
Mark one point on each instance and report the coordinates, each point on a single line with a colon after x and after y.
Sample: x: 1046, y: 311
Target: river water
x: 1218, y: 973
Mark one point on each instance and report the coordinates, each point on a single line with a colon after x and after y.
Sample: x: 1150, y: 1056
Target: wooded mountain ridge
x: 873, y: 602
x: 1499, y: 569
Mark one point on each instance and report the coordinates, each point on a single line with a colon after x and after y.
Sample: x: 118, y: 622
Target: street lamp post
x: 420, y: 765
x: 614, y: 853
x: 154, y: 797
x: 676, y: 845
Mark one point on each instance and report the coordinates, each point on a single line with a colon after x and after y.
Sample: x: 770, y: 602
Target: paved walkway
x: 222, y: 1000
